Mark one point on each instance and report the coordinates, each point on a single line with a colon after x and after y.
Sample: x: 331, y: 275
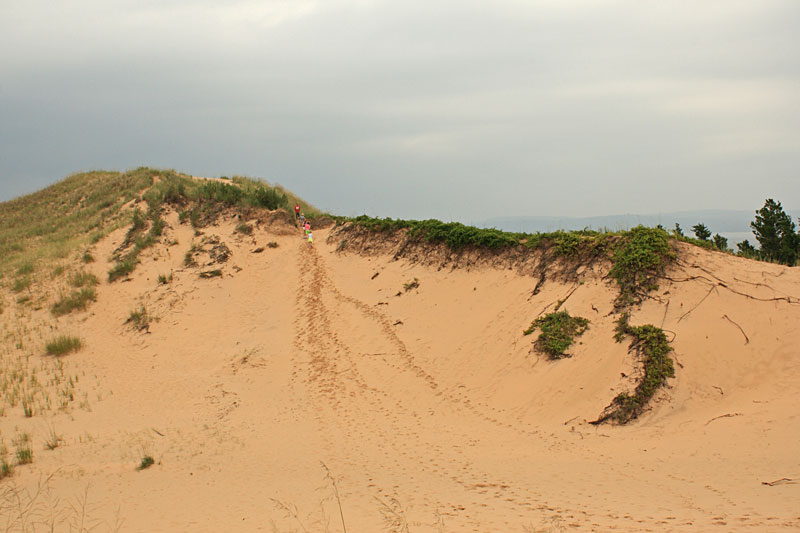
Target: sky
x: 457, y: 110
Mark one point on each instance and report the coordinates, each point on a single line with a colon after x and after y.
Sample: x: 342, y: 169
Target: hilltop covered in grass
x: 84, y: 207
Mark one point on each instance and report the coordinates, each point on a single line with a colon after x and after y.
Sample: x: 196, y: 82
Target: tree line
x: 775, y: 231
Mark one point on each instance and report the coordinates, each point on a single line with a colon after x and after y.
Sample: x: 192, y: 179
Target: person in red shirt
x: 297, y: 211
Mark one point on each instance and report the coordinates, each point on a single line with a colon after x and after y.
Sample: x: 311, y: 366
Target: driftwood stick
x: 780, y: 481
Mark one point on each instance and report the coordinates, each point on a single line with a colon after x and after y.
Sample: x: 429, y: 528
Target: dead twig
x: 746, y: 338
x: 729, y: 415
x: 781, y: 481
x: 330, y: 478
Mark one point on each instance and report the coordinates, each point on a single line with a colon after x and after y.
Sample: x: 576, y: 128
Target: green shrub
x: 146, y: 462
x: 651, y: 346
x: 164, y: 279
x: 63, y: 344
x: 640, y: 257
x: 268, y: 197
x: 87, y: 257
x: 211, y: 274
x: 559, y: 330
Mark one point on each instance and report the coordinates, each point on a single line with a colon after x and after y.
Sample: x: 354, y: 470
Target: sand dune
x: 305, y: 371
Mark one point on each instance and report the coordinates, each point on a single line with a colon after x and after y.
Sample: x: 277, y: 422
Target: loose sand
x: 299, y: 372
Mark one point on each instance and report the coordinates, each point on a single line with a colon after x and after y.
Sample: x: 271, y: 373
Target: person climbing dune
x: 297, y: 212
x: 310, y: 238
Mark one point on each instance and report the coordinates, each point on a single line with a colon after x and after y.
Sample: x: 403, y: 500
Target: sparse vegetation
x: 75, y: 300
x: 413, y: 284
x: 24, y: 450
x: 62, y: 345
x: 558, y: 332
x: 83, y: 279
x: 6, y: 468
x: 126, y: 263
x: 188, y: 259
x: 139, y: 319
x: 48, y: 224
x: 245, y: 229
x: 53, y: 439
x: 163, y: 279
x: 20, y: 284
x: 211, y: 274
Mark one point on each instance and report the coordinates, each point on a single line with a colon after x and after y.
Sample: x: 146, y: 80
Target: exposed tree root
x: 746, y: 338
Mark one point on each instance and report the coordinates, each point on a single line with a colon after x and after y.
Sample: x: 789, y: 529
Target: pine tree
x: 720, y: 242
x: 701, y: 231
x: 775, y: 232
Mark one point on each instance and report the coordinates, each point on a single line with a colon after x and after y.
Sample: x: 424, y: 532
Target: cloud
x: 372, y: 102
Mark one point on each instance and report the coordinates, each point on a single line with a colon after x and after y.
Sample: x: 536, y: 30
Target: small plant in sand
x: 53, y: 439
x: 24, y: 450
x: 6, y: 468
x: 211, y: 274
x: 139, y: 319
x: 146, y: 462
x: 411, y: 285
x: 163, y: 279
x: 559, y: 330
x: 272, y: 244
x: 87, y: 257
x: 63, y: 344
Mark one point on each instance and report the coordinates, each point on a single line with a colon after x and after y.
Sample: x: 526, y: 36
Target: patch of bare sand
x: 429, y: 407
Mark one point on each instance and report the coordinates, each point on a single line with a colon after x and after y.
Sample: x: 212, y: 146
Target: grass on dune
x: 63, y: 344
x: 76, y: 300
x: 49, y: 224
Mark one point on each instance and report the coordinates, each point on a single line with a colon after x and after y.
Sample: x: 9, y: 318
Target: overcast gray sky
x: 455, y: 110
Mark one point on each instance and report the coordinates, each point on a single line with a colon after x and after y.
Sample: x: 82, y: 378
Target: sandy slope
x: 428, y: 408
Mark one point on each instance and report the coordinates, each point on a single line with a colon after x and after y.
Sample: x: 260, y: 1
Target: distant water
x: 733, y: 225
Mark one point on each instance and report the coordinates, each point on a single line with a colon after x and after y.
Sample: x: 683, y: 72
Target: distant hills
x: 732, y: 224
